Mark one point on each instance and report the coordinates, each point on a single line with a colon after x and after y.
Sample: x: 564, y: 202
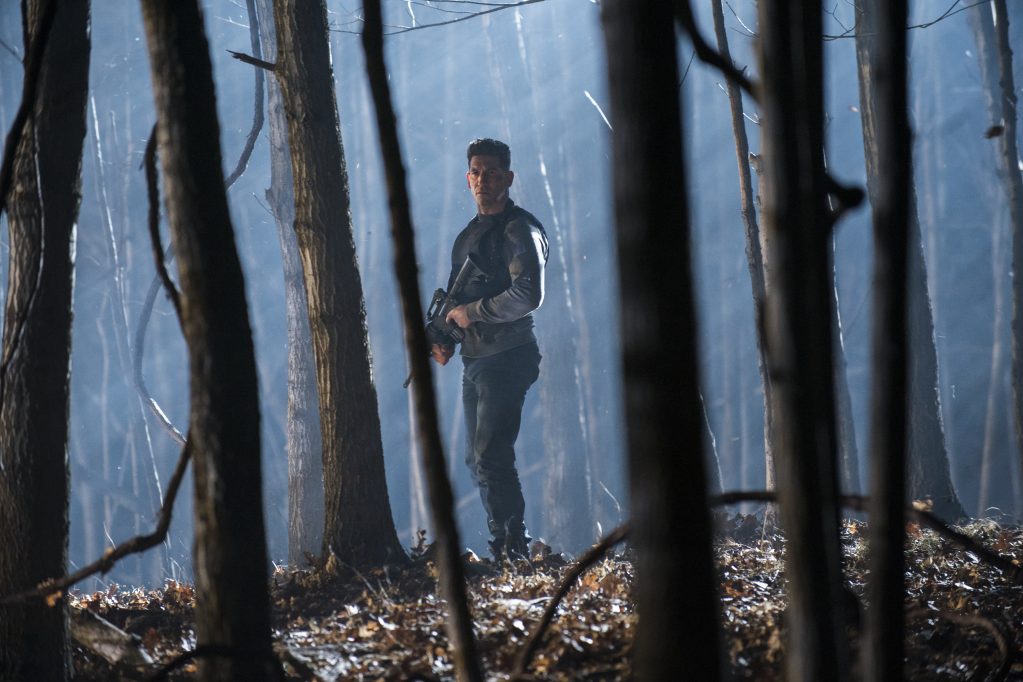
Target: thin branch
x: 160, y: 255
x: 689, y: 65
x: 28, y: 99
x: 924, y: 518
x: 54, y: 588
x: 153, y: 192
x: 8, y: 48
x: 255, y: 61
x: 848, y: 33
x: 581, y: 566
x: 405, y: 29
x: 162, y: 278
x: 707, y: 54
x: 257, y: 105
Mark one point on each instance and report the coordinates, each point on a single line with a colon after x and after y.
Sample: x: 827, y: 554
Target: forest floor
x: 963, y: 616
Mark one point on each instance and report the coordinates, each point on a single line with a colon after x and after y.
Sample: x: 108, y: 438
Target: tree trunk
x: 929, y: 470
x: 358, y: 525
x: 232, y: 604
x: 748, y: 211
x: 452, y: 579
x: 995, y: 57
x: 42, y: 210
x: 568, y: 508
x: 798, y: 326
x: 996, y: 395
x: 304, y: 442
x: 881, y: 53
x: 664, y: 417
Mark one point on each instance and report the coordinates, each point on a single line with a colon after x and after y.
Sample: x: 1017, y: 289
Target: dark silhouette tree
x: 929, y: 475
x: 442, y: 506
x: 675, y: 579
x: 797, y: 222
x: 881, y: 53
x: 232, y: 603
x: 304, y: 442
x: 358, y: 525
x: 42, y: 208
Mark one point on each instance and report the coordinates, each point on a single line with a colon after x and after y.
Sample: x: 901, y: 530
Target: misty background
x: 534, y: 76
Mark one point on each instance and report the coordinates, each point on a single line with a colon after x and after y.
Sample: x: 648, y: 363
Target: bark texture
x: 881, y: 52
x: 304, y: 442
x: 798, y: 326
x: 34, y: 477
x: 232, y: 604
x: 664, y: 417
x: 991, y: 27
x: 358, y: 525
x: 929, y: 474
x: 748, y: 211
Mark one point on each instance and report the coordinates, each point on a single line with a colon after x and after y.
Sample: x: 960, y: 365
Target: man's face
x: 488, y: 183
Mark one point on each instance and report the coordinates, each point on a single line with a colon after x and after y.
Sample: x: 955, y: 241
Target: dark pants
x: 493, y: 391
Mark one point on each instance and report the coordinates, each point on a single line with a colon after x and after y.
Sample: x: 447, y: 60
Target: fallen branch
x: 212, y: 651
x: 54, y: 588
x: 109, y: 642
x: 581, y: 565
x: 1001, y: 639
x: 924, y: 518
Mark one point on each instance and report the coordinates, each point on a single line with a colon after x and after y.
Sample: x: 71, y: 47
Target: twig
x: 581, y: 565
x: 55, y: 587
x: 847, y: 33
x: 1001, y: 639
x: 497, y: 8
x: 924, y: 518
x: 707, y: 54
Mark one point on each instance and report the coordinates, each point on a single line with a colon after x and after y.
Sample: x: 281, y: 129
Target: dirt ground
x: 332, y: 623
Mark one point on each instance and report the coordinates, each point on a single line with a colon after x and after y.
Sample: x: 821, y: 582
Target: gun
x: 438, y: 329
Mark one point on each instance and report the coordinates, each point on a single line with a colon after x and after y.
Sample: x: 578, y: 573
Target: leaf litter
x: 336, y: 623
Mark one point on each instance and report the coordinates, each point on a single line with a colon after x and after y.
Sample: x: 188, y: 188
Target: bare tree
x: 304, y: 442
x: 797, y: 221
x: 991, y: 28
x: 467, y: 668
x: 881, y: 53
x: 676, y: 582
x: 358, y: 525
x: 42, y: 209
x: 232, y: 604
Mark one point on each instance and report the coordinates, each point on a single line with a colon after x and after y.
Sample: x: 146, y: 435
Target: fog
x: 534, y: 77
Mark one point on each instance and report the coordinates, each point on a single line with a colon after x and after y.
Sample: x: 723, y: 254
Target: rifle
x: 438, y: 329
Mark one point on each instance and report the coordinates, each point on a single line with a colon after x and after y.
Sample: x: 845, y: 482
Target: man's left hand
x: 459, y: 316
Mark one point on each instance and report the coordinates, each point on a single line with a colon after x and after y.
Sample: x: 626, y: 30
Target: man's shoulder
x: 522, y: 221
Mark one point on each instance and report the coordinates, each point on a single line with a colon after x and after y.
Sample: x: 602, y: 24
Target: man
x: 500, y: 356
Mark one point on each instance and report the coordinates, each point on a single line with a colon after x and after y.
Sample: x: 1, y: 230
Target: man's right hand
x: 442, y: 353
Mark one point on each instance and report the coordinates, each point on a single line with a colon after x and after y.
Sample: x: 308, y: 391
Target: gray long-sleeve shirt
x: 511, y: 247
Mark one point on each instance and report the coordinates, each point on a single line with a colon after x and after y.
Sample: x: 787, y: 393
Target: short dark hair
x: 485, y: 146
